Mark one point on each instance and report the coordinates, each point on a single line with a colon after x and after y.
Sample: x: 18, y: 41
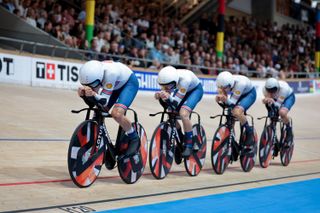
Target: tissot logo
x: 46, y: 71
x: 50, y: 71
x: 58, y: 72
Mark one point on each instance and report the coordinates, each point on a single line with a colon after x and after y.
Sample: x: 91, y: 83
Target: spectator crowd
x: 135, y: 29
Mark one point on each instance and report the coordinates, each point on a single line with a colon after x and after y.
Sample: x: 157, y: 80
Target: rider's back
x: 115, y: 73
x: 243, y: 84
x: 187, y: 79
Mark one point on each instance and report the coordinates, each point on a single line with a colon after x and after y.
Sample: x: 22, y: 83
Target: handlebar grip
x: 152, y: 115
x: 106, y: 114
x: 222, y: 104
x: 90, y: 101
x: 213, y: 117
x: 78, y: 111
x: 262, y: 117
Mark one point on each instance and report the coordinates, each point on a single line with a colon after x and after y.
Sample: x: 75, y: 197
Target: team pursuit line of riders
x: 112, y: 86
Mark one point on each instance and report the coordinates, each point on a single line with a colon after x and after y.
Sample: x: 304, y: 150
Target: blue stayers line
x: 302, y: 196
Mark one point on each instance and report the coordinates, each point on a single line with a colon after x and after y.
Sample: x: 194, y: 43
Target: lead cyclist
x: 111, y: 84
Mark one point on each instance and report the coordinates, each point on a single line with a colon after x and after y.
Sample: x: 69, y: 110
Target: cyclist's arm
x: 283, y: 94
x: 222, y: 92
x: 236, y: 94
x: 266, y: 94
x: 268, y: 99
x: 179, y: 95
x: 104, y: 93
x: 90, y: 101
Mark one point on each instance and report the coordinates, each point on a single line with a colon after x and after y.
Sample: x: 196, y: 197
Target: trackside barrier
x: 44, y: 72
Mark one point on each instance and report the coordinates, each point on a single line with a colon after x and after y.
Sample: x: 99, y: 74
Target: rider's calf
x: 118, y: 114
x: 283, y: 112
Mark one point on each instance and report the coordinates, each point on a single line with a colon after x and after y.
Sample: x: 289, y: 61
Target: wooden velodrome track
x: 36, y: 124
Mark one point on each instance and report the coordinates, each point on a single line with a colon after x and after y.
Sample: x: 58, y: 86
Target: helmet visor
x: 272, y: 89
x: 225, y: 87
x: 169, y: 86
x: 94, y: 84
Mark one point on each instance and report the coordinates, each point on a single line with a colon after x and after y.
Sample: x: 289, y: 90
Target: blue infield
x: 302, y: 196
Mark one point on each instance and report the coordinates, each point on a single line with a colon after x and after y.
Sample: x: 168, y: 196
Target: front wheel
x: 85, y: 154
x: 221, y: 149
x: 194, y: 163
x: 286, y: 149
x: 161, y: 151
x: 266, y: 147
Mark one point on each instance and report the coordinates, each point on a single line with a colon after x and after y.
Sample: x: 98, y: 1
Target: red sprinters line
x: 111, y: 177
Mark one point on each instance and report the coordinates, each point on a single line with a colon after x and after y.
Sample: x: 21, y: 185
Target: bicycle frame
x: 103, y: 133
x: 273, y: 118
x: 230, y: 122
x: 173, y: 117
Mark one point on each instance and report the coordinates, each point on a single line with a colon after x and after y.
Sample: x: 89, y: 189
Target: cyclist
x: 182, y: 90
x: 108, y: 84
x: 282, y: 96
x: 243, y: 95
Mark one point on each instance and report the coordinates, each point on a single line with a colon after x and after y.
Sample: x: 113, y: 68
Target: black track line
x: 162, y: 193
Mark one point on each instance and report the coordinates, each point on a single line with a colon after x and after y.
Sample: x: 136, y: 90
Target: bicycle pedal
x: 284, y: 147
x: 124, y: 156
x: 196, y: 147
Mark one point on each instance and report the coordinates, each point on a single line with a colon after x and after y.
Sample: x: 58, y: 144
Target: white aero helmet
x: 91, y: 73
x: 225, y: 79
x: 168, y: 75
x: 272, y: 85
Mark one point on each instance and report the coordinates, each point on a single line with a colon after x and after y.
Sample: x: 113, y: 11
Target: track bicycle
x: 225, y: 148
x: 270, y: 146
x: 90, y: 147
x: 167, y: 144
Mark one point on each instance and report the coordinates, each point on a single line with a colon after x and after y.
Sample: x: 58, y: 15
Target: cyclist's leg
x: 187, y: 126
x: 126, y: 97
x: 283, y: 112
x: 285, y: 108
x: 239, y: 112
x: 243, y: 105
x: 191, y: 101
